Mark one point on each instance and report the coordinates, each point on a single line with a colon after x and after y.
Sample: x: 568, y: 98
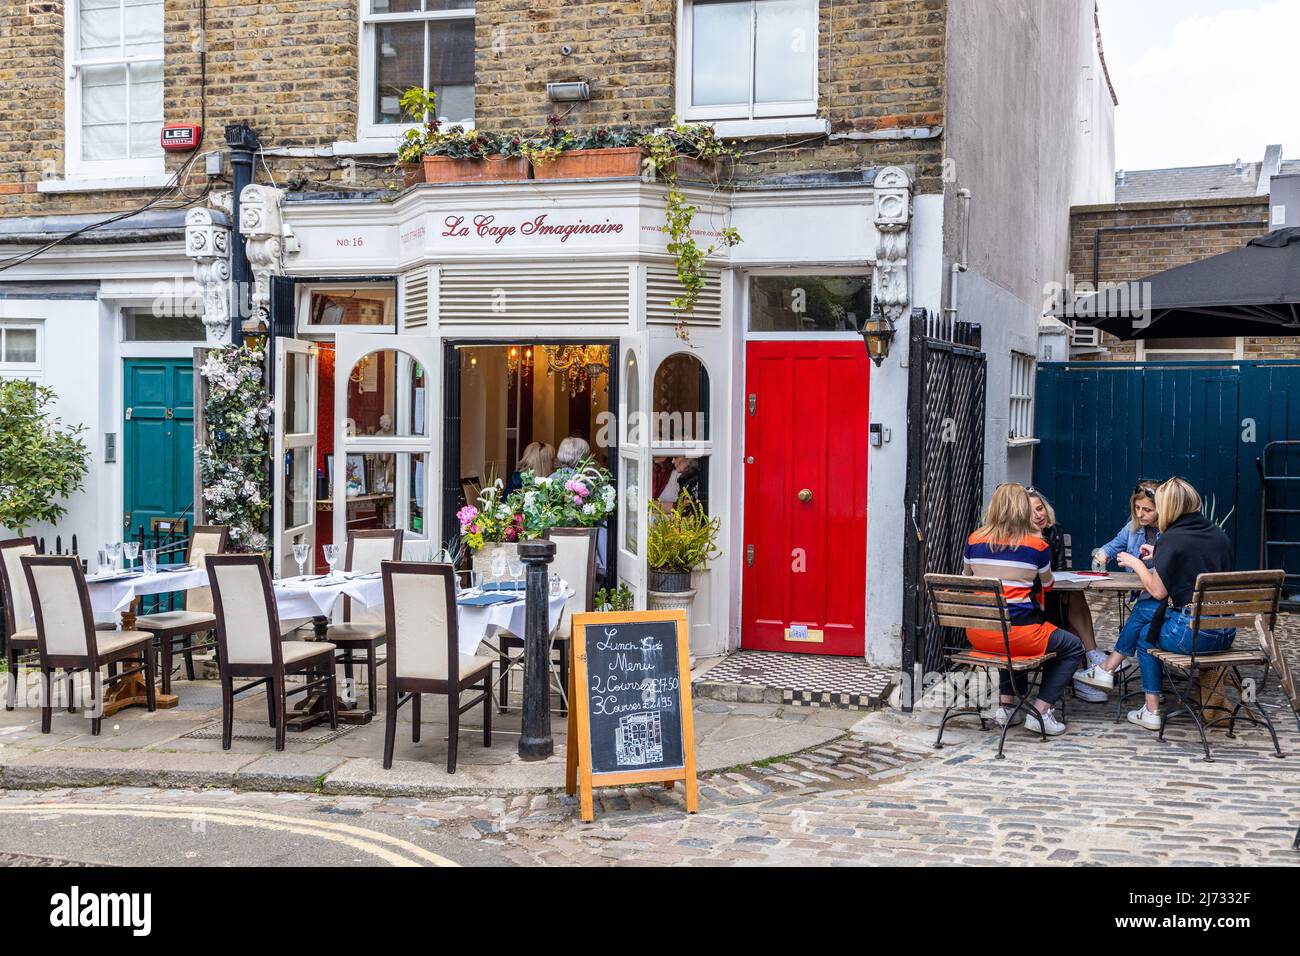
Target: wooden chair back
x: 1234, y: 599
x: 14, y: 592
x: 471, y: 486
x: 367, y: 552
x: 420, y: 616
x: 970, y: 603
x: 206, y: 539
x: 65, y: 624
x: 248, y: 624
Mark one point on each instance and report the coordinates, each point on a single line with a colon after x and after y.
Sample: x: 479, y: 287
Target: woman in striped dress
x: 1008, y: 547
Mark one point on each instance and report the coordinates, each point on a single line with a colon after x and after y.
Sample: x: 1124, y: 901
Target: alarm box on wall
x: 181, y: 137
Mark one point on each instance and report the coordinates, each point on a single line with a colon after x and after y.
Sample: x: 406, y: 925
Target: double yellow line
x: 391, y: 850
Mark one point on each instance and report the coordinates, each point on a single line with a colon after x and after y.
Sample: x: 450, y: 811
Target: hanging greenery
x: 234, y: 452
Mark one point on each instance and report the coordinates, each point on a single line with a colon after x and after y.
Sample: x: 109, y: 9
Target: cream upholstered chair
x: 575, y: 563
x: 197, y: 616
x: 66, y: 636
x: 424, y: 652
x: 20, y: 625
x: 363, y: 628
x: 249, y: 645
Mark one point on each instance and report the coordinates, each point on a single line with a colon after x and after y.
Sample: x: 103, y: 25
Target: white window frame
x: 1020, y: 398
x: 307, y: 329
x: 1144, y: 354
x: 751, y: 119
x: 74, y: 167
x: 33, y: 370
x: 371, y: 135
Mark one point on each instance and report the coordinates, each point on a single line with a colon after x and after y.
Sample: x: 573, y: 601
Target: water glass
x: 301, y: 551
x: 115, y: 554
x: 131, y: 549
x: 475, y: 583
x: 151, y: 561
x: 331, y: 552
x: 103, y: 560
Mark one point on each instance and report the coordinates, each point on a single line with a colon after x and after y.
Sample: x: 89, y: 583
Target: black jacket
x: 1192, y: 545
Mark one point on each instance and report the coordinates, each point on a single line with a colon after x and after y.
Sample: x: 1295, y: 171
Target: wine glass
x: 131, y: 549
x: 516, y: 568
x: 331, y: 552
x: 301, y: 551
x: 115, y: 554
x: 498, y: 567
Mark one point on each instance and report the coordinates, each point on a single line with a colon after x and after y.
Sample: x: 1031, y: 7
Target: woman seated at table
x: 539, y: 458
x: 1068, y: 609
x: 1190, y: 545
x: 1009, y: 547
x: 1138, y: 539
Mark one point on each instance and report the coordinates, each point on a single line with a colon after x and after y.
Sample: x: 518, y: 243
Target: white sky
x: 1202, y: 82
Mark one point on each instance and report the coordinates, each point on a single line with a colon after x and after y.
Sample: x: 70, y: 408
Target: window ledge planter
x: 443, y: 169
x: 619, y: 162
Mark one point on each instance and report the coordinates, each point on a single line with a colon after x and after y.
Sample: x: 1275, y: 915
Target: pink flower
x: 512, y: 533
x: 577, y: 499
x: 582, y: 490
x: 466, y: 515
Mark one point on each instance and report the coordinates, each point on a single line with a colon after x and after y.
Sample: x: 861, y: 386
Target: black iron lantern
x: 877, y: 332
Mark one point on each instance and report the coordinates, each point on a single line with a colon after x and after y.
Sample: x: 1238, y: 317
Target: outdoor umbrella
x: 1254, y: 290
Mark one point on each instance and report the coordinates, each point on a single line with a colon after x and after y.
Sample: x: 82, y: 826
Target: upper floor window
x: 20, y: 349
x: 114, y: 105
x: 748, y: 59
x: 406, y: 43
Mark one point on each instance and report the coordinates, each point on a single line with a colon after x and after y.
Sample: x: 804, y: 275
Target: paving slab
x: 286, y: 771
x: 142, y: 768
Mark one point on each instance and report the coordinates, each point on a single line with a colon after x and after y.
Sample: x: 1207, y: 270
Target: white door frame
x: 284, y: 443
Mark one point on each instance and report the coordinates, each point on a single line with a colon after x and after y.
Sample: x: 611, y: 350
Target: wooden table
x: 1119, y: 581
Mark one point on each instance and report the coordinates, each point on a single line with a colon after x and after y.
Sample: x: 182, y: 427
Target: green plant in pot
x: 679, y: 541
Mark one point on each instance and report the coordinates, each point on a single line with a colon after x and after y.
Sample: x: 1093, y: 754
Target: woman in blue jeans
x: 1190, y: 545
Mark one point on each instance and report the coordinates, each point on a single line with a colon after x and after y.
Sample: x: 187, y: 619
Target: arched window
x: 681, y: 400
x: 387, y: 396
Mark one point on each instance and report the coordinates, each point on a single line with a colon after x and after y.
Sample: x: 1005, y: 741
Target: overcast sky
x: 1202, y: 82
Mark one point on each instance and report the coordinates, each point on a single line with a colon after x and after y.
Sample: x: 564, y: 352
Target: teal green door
x: 158, y: 441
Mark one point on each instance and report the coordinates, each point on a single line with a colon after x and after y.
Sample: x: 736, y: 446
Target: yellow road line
x: 359, y: 838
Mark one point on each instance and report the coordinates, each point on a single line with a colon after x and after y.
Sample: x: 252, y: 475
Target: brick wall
x: 290, y: 68
x: 1218, y: 226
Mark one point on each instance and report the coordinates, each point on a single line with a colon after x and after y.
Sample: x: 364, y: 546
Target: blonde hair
x: 1175, y: 498
x: 1009, y: 519
x: 1137, y: 496
x: 1047, y: 506
x: 539, y: 458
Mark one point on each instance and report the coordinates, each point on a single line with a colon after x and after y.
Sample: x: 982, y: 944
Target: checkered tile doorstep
x: 803, y: 680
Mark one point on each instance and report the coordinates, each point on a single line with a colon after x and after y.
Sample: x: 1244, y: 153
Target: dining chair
x: 66, y: 636
x: 424, y: 653
x: 363, y: 628
x: 249, y: 644
x: 197, y: 617
x: 20, y: 626
x: 575, y: 563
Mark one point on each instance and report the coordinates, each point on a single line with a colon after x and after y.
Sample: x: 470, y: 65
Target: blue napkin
x: 487, y: 600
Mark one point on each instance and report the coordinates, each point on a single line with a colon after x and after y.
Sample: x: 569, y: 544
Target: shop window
x: 632, y: 400
x: 681, y: 399
x: 114, y: 93
x: 406, y: 43
x: 387, y: 396
x: 142, y: 325
x: 359, y: 308
x: 20, y: 349
x: 808, y: 303
x: 748, y: 59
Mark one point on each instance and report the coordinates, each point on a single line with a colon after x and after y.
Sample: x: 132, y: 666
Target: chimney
x: 1119, y: 177
x: 1240, y: 168
x: 1284, y: 202
x: 1271, y: 166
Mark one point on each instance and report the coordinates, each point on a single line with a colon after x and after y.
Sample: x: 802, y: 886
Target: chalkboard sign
x: 630, y: 718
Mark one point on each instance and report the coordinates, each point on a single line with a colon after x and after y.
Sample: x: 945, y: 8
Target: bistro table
x: 1096, y: 581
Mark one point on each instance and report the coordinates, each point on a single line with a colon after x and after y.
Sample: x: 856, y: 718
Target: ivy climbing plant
x: 234, y: 453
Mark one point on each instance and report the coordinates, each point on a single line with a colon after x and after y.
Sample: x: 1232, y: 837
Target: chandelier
x: 578, y: 366
x: 519, y: 360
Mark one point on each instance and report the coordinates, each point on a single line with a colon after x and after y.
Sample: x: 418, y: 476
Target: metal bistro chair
x: 966, y: 602
x: 66, y: 636
x: 249, y: 644
x: 1234, y: 599
x: 197, y: 617
x: 424, y: 653
x: 363, y: 628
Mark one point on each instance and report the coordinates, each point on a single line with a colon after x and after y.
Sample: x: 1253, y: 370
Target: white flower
x: 589, y: 509
x: 530, y: 499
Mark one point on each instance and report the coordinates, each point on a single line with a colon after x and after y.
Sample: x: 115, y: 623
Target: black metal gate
x: 945, y: 481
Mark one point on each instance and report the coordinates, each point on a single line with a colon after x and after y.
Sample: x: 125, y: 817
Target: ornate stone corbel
x: 893, y: 192
x: 262, y: 226
x: 207, y: 243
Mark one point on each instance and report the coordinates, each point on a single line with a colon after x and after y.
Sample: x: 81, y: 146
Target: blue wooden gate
x: 1103, y: 426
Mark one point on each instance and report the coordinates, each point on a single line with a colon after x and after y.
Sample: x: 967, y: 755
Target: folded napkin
x: 487, y: 600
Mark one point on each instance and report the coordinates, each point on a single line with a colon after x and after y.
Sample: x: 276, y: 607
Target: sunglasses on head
x: 1141, y: 488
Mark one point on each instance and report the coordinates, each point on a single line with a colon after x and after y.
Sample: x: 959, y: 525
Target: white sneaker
x: 1095, y: 676
x: 1002, y: 716
x: 1092, y: 695
x: 1144, y: 718
x: 1036, y: 723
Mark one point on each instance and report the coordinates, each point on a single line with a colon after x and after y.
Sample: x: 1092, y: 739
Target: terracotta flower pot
x: 621, y: 162
x: 442, y: 169
x: 689, y: 169
x: 412, y: 174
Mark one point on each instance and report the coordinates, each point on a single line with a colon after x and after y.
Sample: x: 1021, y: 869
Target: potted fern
x: 679, y: 541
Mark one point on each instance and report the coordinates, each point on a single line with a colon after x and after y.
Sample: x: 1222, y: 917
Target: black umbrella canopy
x: 1254, y: 290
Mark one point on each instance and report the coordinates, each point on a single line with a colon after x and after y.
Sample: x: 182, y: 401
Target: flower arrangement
x: 233, y: 453
x: 494, y: 520
x: 580, y: 497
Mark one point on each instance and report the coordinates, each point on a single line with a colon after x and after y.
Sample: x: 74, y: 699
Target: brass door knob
x: 805, y: 496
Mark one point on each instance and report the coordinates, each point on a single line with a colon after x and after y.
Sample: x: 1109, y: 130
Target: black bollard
x: 535, y: 741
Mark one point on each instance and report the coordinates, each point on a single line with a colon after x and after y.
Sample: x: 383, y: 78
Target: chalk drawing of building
x: 638, y: 740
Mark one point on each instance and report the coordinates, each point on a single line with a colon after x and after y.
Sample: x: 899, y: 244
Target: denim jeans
x: 1057, y: 673
x: 1139, y: 620
x: 1176, y: 636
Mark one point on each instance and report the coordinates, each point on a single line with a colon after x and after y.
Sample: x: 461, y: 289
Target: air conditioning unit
x: 1085, y: 336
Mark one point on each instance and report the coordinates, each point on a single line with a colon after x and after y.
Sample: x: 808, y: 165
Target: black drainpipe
x: 243, y: 143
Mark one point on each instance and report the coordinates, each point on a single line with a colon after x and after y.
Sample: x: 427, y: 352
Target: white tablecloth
x: 109, y: 597
x: 479, y: 623
x: 296, y: 600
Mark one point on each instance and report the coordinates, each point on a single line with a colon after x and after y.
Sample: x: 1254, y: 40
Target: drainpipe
x: 243, y: 143
x: 963, y: 264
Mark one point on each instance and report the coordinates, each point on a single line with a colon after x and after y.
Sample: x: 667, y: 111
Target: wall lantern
x: 877, y: 333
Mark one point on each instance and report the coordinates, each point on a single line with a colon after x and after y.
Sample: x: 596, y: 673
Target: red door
x: 806, y: 437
